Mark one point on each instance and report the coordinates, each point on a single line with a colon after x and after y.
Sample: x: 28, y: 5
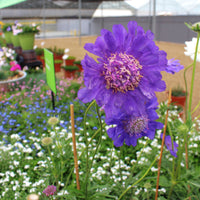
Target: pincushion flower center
x: 136, y: 125
x: 122, y: 72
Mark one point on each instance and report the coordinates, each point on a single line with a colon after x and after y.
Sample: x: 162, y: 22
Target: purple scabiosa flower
x: 127, y: 69
x: 50, y: 190
x: 173, y: 66
x: 168, y: 143
x: 133, y: 125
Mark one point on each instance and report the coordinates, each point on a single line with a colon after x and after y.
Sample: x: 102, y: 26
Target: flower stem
x: 186, y: 89
x: 139, y: 179
x: 86, y: 150
x: 68, y: 178
x: 197, y: 106
x: 193, y: 74
x: 99, y: 140
x: 132, y: 169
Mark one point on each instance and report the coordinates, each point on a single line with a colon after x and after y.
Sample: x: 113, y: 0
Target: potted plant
x: 16, y: 29
x: 178, y: 96
x: 7, y: 30
x: 57, y: 65
x: 78, y: 64
x: 27, y: 36
x: 70, y: 71
x: 58, y: 53
x: 70, y: 60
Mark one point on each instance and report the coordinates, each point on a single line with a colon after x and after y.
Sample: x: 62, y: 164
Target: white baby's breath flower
x: 65, y: 57
x: 66, y: 50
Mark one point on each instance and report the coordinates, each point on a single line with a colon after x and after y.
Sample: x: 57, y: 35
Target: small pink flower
x: 15, y: 67
x: 50, y: 190
x: 13, y: 63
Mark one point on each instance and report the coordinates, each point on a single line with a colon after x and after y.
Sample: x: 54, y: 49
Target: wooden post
x: 74, y: 145
x: 163, y: 141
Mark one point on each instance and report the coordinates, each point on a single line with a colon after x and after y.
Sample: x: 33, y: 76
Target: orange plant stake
x: 74, y: 145
x: 163, y: 140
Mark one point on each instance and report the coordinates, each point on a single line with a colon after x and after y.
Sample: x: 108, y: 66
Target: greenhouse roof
x: 106, y: 8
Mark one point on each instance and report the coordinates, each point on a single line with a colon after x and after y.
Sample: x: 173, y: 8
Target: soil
x: 174, y: 50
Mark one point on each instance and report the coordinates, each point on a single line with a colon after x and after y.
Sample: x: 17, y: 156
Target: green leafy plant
x: 7, y: 27
x: 178, y: 92
x: 39, y: 51
x: 58, y: 61
x: 58, y: 51
x: 70, y: 68
x: 71, y: 58
x: 3, y: 75
x: 30, y: 29
x: 78, y: 62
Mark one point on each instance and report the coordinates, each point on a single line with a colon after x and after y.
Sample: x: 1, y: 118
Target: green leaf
x: 161, y: 198
x: 195, y: 184
x: 164, y: 181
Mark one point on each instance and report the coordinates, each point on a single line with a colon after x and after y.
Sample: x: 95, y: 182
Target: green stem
x: 139, y: 179
x: 193, y: 74
x: 132, y: 169
x: 54, y: 165
x: 59, y: 146
x: 170, y: 192
x: 120, y: 155
x: 186, y: 88
x: 86, y: 149
x: 197, y: 106
x: 70, y: 174
x: 99, y: 141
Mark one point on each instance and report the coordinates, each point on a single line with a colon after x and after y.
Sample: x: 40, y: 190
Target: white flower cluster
x: 6, y: 55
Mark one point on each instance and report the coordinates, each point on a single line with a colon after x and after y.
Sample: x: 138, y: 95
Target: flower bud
x: 194, y: 27
x: 47, y: 141
x: 33, y: 197
x: 183, y: 128
x: 53, y: 120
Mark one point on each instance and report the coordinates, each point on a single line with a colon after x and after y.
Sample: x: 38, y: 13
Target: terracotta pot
x: 80, y: 67
x: 69, y: 74
x: 179, y: 101
x: 69, y: 62
x: 57, y: 67
x: 41, y: 59
x: 57, y: 56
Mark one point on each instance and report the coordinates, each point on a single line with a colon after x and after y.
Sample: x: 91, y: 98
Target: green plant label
x: 50, y: 71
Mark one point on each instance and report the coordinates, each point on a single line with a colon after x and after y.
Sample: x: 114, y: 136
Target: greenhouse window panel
x: 4, y: 4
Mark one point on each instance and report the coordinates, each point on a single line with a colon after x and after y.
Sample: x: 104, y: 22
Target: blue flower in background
x: 168, y: 143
